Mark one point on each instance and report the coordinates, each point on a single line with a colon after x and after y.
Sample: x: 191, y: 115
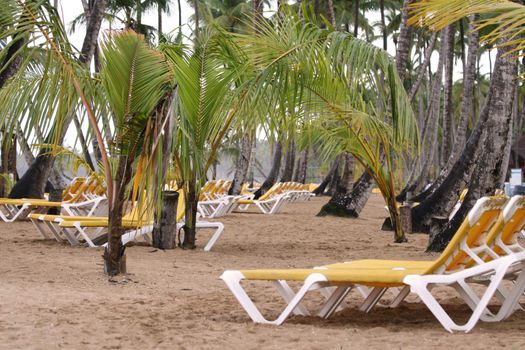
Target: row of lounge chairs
x: 82, y: 197
x: 78, y: 223
x: 484, y: 251
x: 271, y: 202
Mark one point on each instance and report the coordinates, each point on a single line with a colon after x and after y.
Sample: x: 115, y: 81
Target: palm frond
x: 502, y: 18
x: 135, y: 78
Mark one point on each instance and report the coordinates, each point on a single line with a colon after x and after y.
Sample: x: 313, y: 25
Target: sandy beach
x: 55, y: 296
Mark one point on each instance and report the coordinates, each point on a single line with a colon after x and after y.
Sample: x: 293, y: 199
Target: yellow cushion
x: 104, y: 223
x: 370, y: 277
x: 31, y: 201
x: 383, y: 264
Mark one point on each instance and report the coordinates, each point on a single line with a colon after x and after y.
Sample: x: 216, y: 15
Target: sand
x: 55, y: 296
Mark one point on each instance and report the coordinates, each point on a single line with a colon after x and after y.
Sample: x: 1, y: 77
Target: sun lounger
x: 218, y: 207
x: 92, y: 230
x: 452, y: 268
x: 417, y: 279
x: 267, y: 205
x: 270, y: 202
x: 81, y: 197
x: 19, y: 209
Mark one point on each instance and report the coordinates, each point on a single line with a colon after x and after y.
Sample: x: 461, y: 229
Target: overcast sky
x: 70, y: 9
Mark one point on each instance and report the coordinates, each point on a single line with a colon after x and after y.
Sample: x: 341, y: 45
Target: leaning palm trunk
x: 421, y: 72
x: 467, y: 101
x: 352, y: 203
x: 404, y: 40
x: 289, y: 162
x: 467, y: 113
x: 274, y: 172
x: 242, y: 165
x: 331, y: 13
x: 448, y: 118
x: 33, y: 181
x: 345, y: 185
x: 302, y: 165
x: 443, y: 199
x: 488, y: 168
x: 430, y: 130
x: 334, y: 168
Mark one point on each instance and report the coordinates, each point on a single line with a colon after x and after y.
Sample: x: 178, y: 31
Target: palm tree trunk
x: 421, y: 72
x: 331, y: 13
x: 448, y: 117
x: 274, y: 172
x: 467, y: 101
x: 302, y: 165
x: 32, y: 183
x: 506, y: 153
x: 190, y: 221
x: 317, y: 8
x: 180, y: 17
x: 138, y: 8
x: 335, y: 180
x: 242, y: 165
x: 467, y: 110
x: 89, y: 45
x: 113, y: 262
x: 462, y: 42
x: 251, y: 164
x: 403, y: 41
x: 7, y: 160
x: 441, y: 201
x: 197, y: 18
x: 356, y: 18
x: 159, y: 23
x: 12, y: 60
x: 352, y: 203
x: 83, y: 143
x: 383, y: 24
x: 328, y: 178
x: 430, y: 130
x: 488, y: 167
x: 289, y: 162
x: 25, y: 148
x: 336, y: 204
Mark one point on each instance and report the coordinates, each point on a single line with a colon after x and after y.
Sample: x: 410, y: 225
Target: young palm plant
x: 349, y: 87
x: 205, y: 109
x: 137, y: 81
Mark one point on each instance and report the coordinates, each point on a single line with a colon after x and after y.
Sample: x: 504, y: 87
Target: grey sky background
x: 70, y: 9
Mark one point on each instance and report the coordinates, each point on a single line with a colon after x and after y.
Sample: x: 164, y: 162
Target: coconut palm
x: 232, y: 15
x: 204, y: 113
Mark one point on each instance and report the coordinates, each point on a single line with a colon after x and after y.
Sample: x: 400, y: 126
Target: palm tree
x: 163, y: 6
x: 232, y: 15
x: 347, y: 120
x: 481, y: 160
x: 32, y: 184
x: 205, y: 111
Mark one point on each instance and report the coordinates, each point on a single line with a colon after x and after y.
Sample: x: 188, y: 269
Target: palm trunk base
x: 115, y: 265
x: 336, y: 210
x: 188, y: 240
